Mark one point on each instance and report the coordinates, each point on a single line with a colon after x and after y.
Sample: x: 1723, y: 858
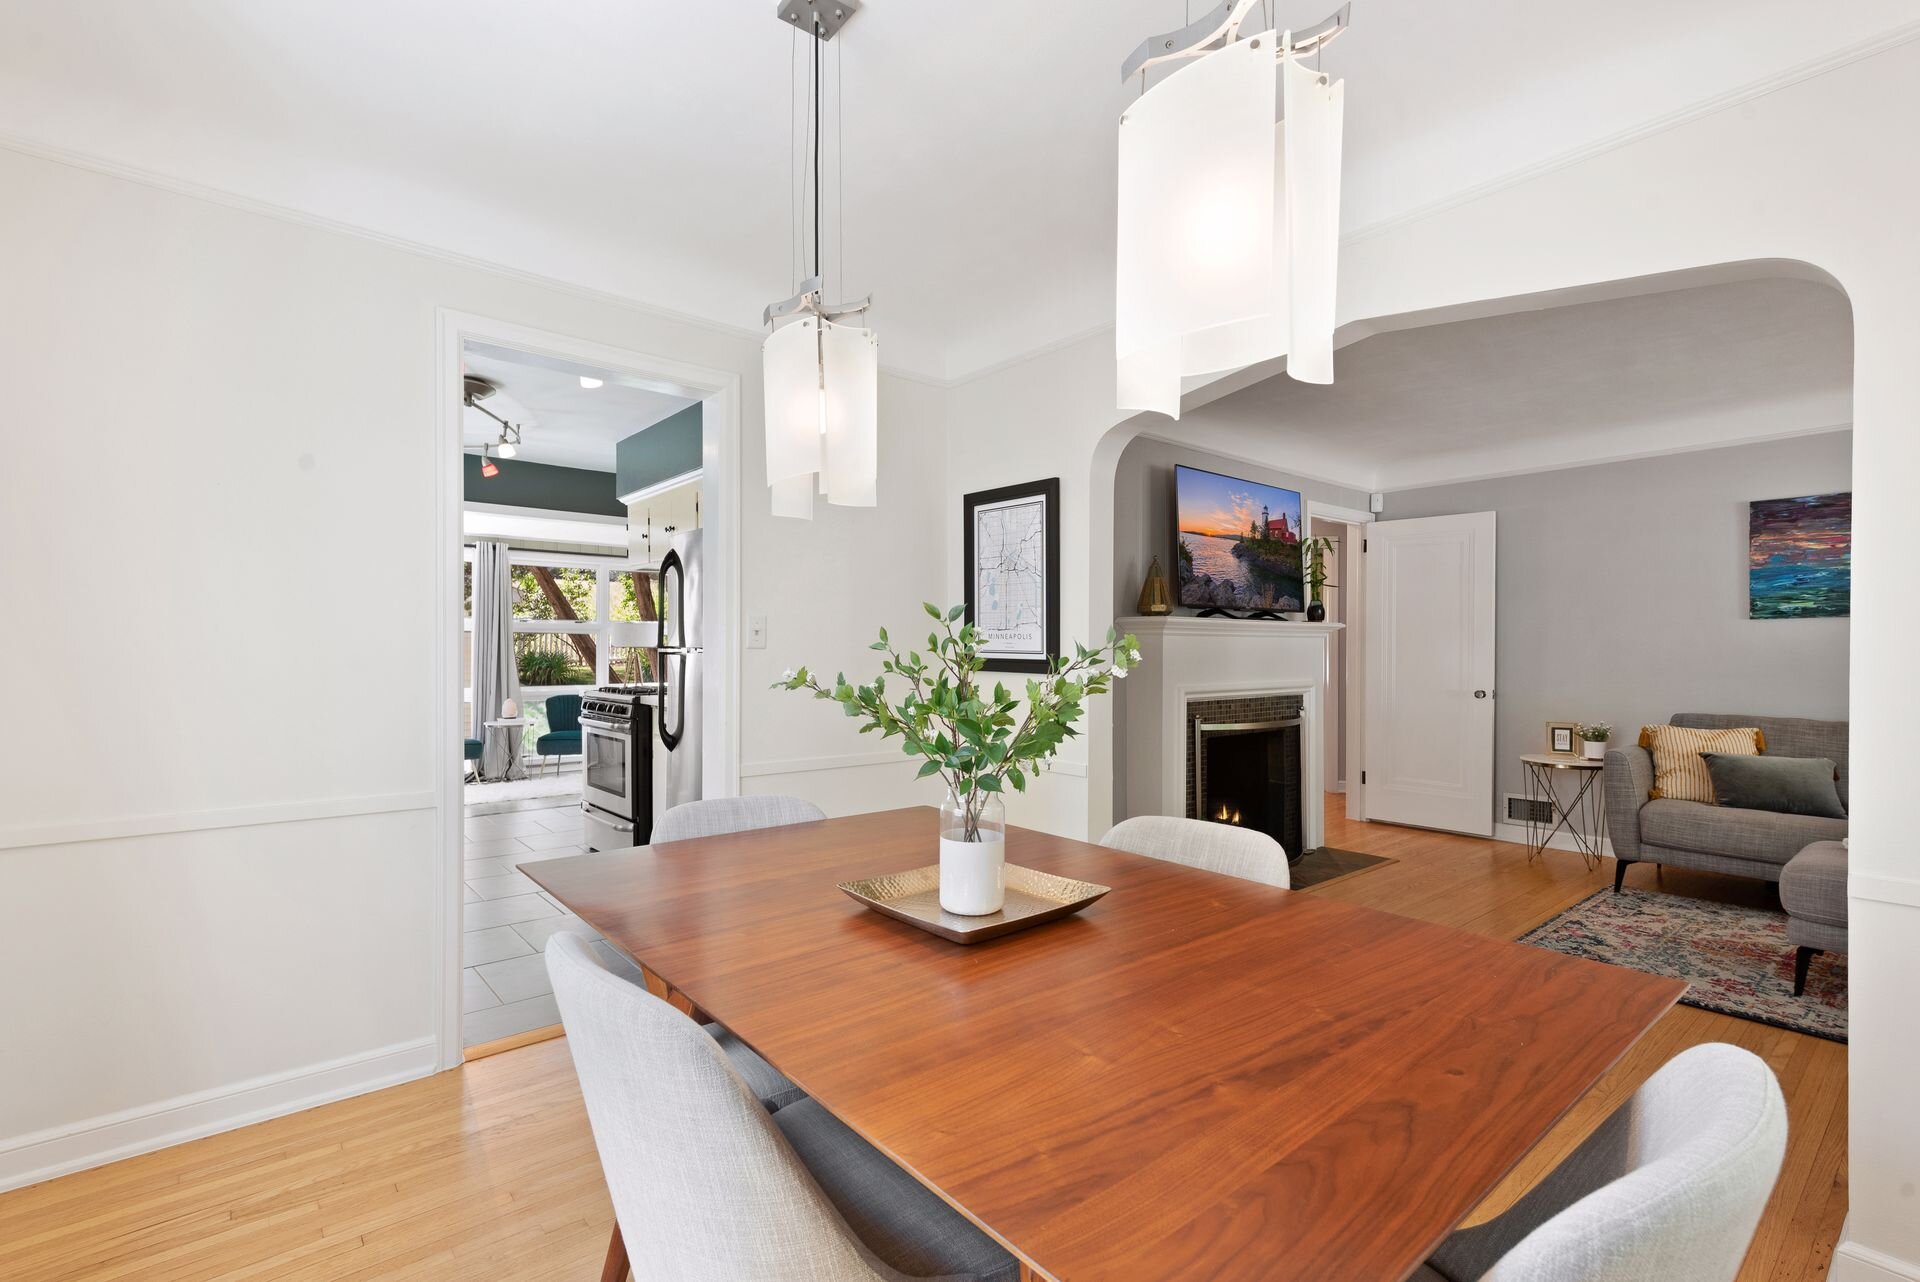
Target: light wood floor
x: 489, y: 1172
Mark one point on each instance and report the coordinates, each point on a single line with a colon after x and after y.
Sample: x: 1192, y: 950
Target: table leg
x: 615, y: 1269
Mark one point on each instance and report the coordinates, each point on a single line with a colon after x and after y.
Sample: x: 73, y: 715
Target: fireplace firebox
x: 1249, y: 773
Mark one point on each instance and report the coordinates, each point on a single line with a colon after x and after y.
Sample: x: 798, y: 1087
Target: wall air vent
x: 1520, y: 810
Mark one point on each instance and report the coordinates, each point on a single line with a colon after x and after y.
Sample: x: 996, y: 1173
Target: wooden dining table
x: 1195, y: 1077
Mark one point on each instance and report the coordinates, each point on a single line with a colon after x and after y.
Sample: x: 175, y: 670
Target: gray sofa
x: 1693, y: 834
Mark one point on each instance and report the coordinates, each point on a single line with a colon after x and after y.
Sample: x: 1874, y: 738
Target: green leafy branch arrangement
x: 973, y: 739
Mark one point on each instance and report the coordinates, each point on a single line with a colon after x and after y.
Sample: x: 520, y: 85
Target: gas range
x: 616, y: 724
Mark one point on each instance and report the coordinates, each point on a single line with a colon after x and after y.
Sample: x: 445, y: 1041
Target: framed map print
x: 1013, y: 574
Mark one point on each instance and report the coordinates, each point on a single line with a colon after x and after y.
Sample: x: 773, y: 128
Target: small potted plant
x: 1593, y: 739
x: 977, y: 741
x: 1313, y: 563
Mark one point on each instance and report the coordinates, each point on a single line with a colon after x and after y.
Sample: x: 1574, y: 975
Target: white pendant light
x: 1229, y: 226
x: 819, y: 367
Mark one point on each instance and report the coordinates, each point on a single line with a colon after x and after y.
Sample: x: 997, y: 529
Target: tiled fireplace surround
x: 1233, y: 710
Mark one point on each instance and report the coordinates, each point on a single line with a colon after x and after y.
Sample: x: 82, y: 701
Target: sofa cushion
x: 1723, y: 830
x: 1813, y: 887
x: 1784, y: 785
x: 1678, y: 771
x: 1786, y: 736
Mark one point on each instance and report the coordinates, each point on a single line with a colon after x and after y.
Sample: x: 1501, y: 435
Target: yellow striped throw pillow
x: 1679, y: 771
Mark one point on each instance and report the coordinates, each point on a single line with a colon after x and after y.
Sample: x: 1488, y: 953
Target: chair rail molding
x: 280, y: 812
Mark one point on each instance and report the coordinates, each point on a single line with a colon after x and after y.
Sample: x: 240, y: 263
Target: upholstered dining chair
x: 708, y: 1186
x: 716, y: 818
x: 1671, y: 1186
x: 563, y: 737
x: 1210, y: 847
x: 723, y: 815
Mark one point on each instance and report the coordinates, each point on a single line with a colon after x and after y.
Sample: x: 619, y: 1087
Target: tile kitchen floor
x: 508, y: 918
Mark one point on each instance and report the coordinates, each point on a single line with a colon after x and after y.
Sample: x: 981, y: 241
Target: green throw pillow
x: 1784, y: 785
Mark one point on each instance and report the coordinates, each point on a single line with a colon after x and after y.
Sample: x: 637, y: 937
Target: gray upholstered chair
x: 709, y: 1187
x: 1671, y: 1186
x: 723, y: 815
x: 1813, y: 890
x: 1211, y: 847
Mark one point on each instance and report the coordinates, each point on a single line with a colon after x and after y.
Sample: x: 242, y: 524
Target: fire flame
x: 1226, y: 816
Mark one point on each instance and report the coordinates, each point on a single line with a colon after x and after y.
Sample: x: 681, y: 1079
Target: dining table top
x: 1195, y: 1077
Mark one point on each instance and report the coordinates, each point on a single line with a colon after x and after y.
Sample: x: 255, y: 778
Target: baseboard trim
x: 57, y: 1151
x: 1517, y: 835
x: 1853, y: 1262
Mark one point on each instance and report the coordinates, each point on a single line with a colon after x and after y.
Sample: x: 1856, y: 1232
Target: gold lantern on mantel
x: 1154, y: 598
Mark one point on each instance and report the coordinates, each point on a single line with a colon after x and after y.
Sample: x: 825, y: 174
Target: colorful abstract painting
x: 1799, y: 555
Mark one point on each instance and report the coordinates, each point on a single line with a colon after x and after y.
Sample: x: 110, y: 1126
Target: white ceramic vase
x: 973, y: 874
x: 1593, y: 749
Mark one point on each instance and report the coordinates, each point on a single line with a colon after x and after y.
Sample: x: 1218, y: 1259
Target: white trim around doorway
x: 720, y: 395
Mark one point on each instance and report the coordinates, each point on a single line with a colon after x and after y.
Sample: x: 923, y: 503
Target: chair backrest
x: 563, y: 712
x: 1671, y: 1186
x: 704, y: 1185
x: 1197, y: 843
x: 732, y: 814
x: 1786, y: 736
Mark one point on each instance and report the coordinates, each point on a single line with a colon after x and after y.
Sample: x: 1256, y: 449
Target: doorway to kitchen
x: 582, y: 482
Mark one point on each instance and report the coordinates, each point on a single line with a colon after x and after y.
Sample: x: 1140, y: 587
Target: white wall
x: 218, y: 842
x: 1707, y: 189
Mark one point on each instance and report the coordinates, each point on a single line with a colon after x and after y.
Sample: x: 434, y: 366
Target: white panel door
x: 1429, y: 690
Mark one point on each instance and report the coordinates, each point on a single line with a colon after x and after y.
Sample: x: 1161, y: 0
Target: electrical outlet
x: 757, y: 632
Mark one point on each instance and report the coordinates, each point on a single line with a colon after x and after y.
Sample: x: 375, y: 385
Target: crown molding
x: 288, y: 213
x: 1810, y: 69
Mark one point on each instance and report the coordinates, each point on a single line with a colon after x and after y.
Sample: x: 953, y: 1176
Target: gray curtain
x: 496, y: 678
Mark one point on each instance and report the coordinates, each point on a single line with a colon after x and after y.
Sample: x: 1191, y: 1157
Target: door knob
x: 1479, y: 694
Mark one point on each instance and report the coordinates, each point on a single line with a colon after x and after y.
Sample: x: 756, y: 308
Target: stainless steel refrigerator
x: 682, y: 669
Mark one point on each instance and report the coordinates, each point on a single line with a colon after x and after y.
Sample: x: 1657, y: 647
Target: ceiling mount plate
x: 822, y: 17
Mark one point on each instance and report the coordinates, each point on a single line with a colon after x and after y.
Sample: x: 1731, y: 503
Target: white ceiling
x: 1649, y: 374
x: 564, y: 423
x: 642, y: 147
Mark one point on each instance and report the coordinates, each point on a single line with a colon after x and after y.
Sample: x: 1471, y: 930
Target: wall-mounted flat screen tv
x: 1237, y: 542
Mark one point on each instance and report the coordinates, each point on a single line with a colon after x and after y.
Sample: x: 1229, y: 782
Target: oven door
x: 608, y: 775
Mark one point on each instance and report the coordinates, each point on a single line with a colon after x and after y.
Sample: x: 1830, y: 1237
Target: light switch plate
x: 757, y: 632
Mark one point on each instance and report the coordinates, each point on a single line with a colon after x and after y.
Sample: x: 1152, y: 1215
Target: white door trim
x: 1353, y: 675
x: 720, y: 395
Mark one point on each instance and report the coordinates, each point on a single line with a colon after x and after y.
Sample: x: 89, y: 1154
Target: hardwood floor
x: 489, y: 1172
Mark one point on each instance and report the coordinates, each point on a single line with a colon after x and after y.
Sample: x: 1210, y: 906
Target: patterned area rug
x: 1736, y: 959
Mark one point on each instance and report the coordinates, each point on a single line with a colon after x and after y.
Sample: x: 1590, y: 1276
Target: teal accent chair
x: 562, y: 738
x: 475, y: 747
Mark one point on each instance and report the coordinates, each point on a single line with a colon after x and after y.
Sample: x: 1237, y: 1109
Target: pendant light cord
x: 816, y: 154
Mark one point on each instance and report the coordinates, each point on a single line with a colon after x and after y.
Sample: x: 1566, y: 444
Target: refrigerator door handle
x: 674, y: 654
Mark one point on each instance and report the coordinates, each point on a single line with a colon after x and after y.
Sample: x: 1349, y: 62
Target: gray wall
x: 1143, y: 507
x: 659, y: 453
x: 542, y: 485
x: 1143, y: 529
x: 1622, y: 593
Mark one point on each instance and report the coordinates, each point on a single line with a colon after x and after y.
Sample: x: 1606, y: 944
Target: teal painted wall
x: 543, y: 485
x: 668, y: 449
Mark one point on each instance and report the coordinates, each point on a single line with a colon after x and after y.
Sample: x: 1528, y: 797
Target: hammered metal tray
x: 1032, y: 897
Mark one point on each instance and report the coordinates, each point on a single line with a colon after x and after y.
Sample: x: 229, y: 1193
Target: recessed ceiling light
x: 590, y: 382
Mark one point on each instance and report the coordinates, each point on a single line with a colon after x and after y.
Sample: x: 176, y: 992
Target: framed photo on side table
x: 1560, y: 738
x: 1012, y: 569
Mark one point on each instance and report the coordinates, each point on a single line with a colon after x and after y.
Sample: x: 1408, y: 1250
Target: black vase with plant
x: 1313, y: 560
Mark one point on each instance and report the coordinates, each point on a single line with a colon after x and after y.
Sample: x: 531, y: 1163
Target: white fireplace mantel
x: 1184, y: 658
